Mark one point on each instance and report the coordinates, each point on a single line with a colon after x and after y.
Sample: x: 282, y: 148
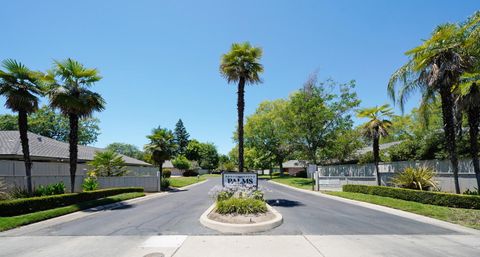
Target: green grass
x: 465, y: 217
x: 184, y: 181
x: 303, y: 183
x: 211, y: 175
x: 20, y: 220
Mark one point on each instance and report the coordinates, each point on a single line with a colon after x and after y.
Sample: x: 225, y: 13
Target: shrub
x: 426, y: 197
x: 476, y: 191
x: 368, y: 157
x: 90, y: 183
x: 166, y: 173
x: 219, y: 193
x: 406, y: 150
x: 181, y: 163
x: 18, y: 192
x: 241, y: 206
x: 34, y: 204
x: 301, y: 174
x: 53, y: 189
x: 190, y: 173
x: 421, y: 178
x: 165, y: 183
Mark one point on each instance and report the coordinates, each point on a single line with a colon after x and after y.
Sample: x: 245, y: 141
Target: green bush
x: 476, y: 191
x: 166, y: 173
x: 241, y: 206
x: 368, y: 157
x: 53, y: 189
x: 34, y: 204
x: 301, y: 174
x: 18, y: 192
x: 89, y: 184
x: 164, y: 183
x: 181, y: 163
x: 406, y: 150
x: 426, y: 197
x: 190, y: 173
x: 421, y: 178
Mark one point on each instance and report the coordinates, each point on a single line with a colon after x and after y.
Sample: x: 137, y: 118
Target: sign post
x: 239, y: 178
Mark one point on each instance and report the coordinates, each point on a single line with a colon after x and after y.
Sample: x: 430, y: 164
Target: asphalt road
x: 178, y: 213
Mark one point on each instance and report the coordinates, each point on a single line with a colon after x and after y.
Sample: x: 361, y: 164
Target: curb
x: 227, y: 228
x: 404, y: 214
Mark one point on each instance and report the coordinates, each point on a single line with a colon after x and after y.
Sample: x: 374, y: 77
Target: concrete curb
x: 227, y: 228
x: 404, y: 214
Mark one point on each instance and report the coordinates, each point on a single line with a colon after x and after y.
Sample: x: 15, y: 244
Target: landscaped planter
x: 241, y: 224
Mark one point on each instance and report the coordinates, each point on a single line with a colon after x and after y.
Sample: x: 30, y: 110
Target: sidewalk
x: 243, y: 246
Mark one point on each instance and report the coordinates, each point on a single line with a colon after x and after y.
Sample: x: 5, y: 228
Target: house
x: 50, y: 157
x: 294, y: 166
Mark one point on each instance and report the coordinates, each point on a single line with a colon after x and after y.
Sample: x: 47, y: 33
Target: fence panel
x: 150, y: 184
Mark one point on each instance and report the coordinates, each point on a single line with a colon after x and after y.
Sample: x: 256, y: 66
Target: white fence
x: 150, y: 183
x: 17, y: 168
x: 365, y: 173
x: 361, y: 170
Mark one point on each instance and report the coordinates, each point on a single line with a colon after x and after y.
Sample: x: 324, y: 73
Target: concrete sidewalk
x: 243, y: 246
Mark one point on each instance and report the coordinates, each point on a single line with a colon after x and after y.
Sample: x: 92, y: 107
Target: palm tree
x: 377, y: 126
x: 21, y: 88
x: 468, y: 97
x: 241, y: 65
x: 434, y: 68
x: 71, y: 95
x: 162, y: 147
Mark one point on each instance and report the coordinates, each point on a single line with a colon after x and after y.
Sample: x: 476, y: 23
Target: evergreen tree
x: 181, y: 137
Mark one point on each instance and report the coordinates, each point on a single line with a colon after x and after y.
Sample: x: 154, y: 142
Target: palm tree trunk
x: 449, y: 130
x: 23, y: 128
x: 240, y: 108
x: 73, y: 141
x: 160, y: 171
x: 376, y: 156
x: 473, y: 123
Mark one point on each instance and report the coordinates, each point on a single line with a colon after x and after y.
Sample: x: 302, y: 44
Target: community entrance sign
x: 239, y: 178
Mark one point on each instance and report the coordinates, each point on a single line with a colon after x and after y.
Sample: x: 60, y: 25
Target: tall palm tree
x: 241, y: 65
x: 162, y: 147
x: 69, y: 92
x: 377, y: 126
x: 468, y: 98
x: 434, y: 68
x: 21, y: 88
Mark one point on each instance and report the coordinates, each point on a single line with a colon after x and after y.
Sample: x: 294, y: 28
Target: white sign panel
x: 312, y: 168
x: 239, y: 178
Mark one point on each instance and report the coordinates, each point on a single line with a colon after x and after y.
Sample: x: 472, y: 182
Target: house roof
x: 47, y: 148
x: 381, y: 147
x: 295, y: 164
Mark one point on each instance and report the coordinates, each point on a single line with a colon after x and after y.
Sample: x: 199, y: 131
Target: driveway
x: 178, y: 213
x: 313, y: 226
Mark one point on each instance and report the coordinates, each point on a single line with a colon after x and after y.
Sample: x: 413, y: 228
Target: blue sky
x: 159, y: 59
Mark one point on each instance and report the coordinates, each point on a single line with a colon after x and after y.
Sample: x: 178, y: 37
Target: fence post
x: 158, y: 179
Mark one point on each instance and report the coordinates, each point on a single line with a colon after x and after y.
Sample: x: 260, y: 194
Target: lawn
x: 464, y: 217
x: 303, y: 183
x: 184, y: 181
x: 20, y: 220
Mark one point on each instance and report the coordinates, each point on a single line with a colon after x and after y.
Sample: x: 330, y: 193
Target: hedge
x: 426, y: 197
x: 34, y: 204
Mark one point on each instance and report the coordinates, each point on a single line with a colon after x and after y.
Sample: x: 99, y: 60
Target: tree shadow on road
x: 283, y: 203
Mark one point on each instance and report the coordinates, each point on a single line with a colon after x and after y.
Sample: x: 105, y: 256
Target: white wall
x: 150, y: 184
x: 17, y: 168
x: 365, y: 173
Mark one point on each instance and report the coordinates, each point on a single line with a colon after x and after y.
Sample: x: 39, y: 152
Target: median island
x: 240, y: 209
